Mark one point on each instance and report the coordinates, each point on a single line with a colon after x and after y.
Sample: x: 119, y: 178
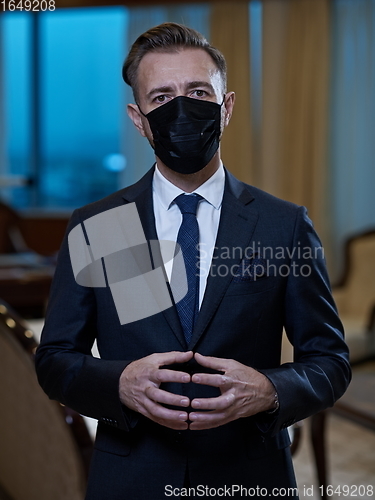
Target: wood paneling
x: 44, y: 233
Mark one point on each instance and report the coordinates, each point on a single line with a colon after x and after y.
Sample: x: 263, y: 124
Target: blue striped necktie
x: 188, y: 239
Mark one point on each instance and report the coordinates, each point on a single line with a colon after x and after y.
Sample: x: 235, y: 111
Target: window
x: 67, y: 135
x: 15, y: 96
x: 64, y: 92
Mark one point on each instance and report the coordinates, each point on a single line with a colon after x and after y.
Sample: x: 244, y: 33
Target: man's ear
x: 136, y: 117
x: 229, y: 99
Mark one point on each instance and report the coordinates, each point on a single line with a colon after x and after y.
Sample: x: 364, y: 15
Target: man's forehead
x: 190, y: 64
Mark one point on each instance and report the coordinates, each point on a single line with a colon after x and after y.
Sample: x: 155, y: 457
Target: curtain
x: 275, y: 17
x: 230, y: 34
x: 295, y: 104
x: 352, y: 128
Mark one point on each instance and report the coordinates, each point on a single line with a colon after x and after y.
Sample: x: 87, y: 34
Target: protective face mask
x: 186, y: 133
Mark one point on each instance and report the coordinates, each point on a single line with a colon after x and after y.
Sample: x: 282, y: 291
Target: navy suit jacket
x: 242, y: 317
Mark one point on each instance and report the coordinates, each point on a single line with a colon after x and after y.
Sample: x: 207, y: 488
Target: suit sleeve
x: 66, y: 369
x: 320, y: 372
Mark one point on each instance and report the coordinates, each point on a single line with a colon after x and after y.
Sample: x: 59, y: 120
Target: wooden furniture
x: 10, y: 236
x: 355, y: 299
x: 42, y: 457
x: 356, y: 405
x: 44, y: 231
x: 25, y: 280
x: 355, y: 296
x: 34, y: 230
x: 28, y: 248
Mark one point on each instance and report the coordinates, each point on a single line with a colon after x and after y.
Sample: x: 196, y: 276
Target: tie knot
x: 188, y: 203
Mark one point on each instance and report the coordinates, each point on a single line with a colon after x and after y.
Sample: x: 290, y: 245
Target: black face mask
x: 186, y: 133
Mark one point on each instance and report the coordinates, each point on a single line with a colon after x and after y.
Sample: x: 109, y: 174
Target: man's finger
x: 169, y: 358
x: 220, y: 403
x: 164, y: 375
x: 215, y: 380
x: 220, y: 364
x: 207, y: 420
x: 165, y: 397
x: 158, y: 412
x: 176, y: 426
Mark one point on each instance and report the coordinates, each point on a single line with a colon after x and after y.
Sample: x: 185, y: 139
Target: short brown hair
x: 168, y: 37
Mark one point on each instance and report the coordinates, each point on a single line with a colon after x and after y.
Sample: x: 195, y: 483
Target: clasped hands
x: 244, y: 391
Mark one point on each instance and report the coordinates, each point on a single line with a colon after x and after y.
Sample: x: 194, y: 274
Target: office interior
x: 303, y: 129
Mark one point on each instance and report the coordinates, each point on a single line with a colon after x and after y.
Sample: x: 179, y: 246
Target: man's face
x: 163, y: 76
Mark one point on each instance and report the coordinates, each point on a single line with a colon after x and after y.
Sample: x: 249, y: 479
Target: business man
x: 192, y: 400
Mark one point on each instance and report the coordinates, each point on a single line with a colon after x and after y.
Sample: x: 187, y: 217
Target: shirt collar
x: 212, y: 190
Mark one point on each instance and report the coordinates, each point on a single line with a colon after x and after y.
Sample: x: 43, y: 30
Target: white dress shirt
x: 168, y: 217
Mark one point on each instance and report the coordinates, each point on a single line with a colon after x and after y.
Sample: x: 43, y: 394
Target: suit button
x: 109, y: 421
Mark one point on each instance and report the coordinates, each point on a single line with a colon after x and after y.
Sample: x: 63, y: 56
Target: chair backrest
x: 356, y: 291
x: 39, y: 459
x: 9, y: 224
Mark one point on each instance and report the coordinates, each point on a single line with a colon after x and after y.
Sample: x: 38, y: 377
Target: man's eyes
x: 197, y: 93
x: 160, y: 99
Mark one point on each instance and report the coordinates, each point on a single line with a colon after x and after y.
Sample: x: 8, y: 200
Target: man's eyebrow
x: 191, y: 85
x: 198, y: 83
x: 160, y: 90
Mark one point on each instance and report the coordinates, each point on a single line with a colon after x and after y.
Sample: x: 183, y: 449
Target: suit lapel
x: 237, y: 223
x: 141, y: 194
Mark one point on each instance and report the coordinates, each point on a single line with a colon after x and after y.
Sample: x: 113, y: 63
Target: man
x: 194, y: 403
